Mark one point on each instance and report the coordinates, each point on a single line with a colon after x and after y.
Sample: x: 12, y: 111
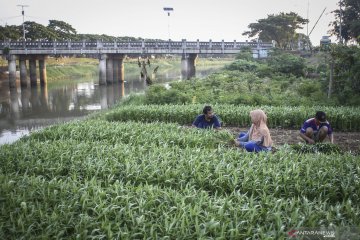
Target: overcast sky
x: 191, y: 19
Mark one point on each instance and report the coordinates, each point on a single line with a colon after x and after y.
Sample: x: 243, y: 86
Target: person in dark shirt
x: 207, y: 120
x: 316, y: 129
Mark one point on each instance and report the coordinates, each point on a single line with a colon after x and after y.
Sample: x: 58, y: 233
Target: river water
x: 23, y: 111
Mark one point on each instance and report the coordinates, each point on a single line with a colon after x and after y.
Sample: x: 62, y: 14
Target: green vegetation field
x: 133, y: 180
x: 138, y: 172
x: 342, y: 118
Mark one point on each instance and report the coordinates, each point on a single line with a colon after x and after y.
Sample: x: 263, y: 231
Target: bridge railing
x: 174, y: 45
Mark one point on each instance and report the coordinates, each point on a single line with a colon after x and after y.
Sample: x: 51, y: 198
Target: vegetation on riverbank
x: 284, y: 79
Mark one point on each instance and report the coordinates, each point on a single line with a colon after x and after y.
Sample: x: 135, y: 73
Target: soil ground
x: 347, y: 141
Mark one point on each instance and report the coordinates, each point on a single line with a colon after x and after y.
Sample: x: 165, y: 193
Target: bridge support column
x: 109, y: 70
x: 42, y: 71
x: 33, y: 76
x: 116, y: 69
x: 119, y: 68
x: 188, y: 65
x: 102, y: 69
x: 12, y: 71
x: 23, y: 72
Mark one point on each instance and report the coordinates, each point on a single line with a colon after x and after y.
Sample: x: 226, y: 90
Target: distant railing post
x: 222, y: 46
x: 99, y: 44
x: 198, y: 44
x: 234, y: 43
x: 183, y: 45
x: 210, y: 44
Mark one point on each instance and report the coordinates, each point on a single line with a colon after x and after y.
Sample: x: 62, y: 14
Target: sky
x: 191, y: 19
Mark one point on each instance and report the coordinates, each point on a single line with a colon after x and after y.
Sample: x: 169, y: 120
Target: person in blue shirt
x: 316, y: 129
x: 207, y: 120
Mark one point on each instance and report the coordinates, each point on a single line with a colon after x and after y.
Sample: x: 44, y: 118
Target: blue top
x: 312, y: 123
x: 201, y: 122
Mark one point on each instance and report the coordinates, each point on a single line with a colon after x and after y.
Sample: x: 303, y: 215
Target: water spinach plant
x: 99, y: 179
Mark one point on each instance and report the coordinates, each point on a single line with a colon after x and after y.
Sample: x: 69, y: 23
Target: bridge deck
x: 139, y: 47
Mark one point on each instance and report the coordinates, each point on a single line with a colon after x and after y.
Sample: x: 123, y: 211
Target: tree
x: 36, y: 31
x: 280, y: 28
x: 346, y: 83
x: 62, y: 30
x: 10, y: 32
x: 350, y: 21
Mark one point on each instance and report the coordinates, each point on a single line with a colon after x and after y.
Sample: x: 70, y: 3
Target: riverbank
x: 60, y: 68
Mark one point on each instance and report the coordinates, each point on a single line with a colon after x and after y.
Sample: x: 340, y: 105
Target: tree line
x: 55, y: 30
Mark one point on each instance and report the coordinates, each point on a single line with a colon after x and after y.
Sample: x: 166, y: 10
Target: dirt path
x: 348, y: 141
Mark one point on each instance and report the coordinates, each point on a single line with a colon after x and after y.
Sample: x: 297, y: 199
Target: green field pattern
x: 99, y: 179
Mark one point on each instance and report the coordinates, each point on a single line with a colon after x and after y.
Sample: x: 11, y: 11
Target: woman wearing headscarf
x: 258, y: 137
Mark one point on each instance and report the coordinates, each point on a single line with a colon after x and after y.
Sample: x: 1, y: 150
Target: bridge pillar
x: 116, y: 69
x: 42, y: 71
x: 33, y: 76
x: 12, y: 71
x: 188, y: 65
x: 119, y: 67
x: 102, y: 69
x: 110, y: 70
x: 23, y: 72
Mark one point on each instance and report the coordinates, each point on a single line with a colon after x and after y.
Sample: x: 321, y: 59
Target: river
x: 23, y: 111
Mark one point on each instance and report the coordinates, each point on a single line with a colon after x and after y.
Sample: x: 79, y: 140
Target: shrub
x: 287, y: 63
x: 245, y: 54
x: 243, y: 66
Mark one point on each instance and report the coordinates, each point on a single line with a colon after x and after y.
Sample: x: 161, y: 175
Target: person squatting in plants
x: 207, y: 120
x: 316, y: 129
x: 258, y: 137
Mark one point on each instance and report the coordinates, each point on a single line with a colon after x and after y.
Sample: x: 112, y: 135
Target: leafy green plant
x: 326, y: 148
x: 97, y: 179
x: 341, y: 118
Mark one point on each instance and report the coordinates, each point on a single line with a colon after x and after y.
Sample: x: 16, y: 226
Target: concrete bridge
x: 111, y: 55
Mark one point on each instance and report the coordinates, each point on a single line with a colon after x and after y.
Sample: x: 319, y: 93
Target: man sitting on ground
x: 316, y: 129
x: 207, y: 120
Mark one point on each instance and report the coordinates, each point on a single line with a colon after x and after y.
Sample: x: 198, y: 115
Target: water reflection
x: 26, y: 109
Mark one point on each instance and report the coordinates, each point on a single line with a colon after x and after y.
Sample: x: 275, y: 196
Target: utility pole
x: 168, y: 10
x: 23, y: 14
